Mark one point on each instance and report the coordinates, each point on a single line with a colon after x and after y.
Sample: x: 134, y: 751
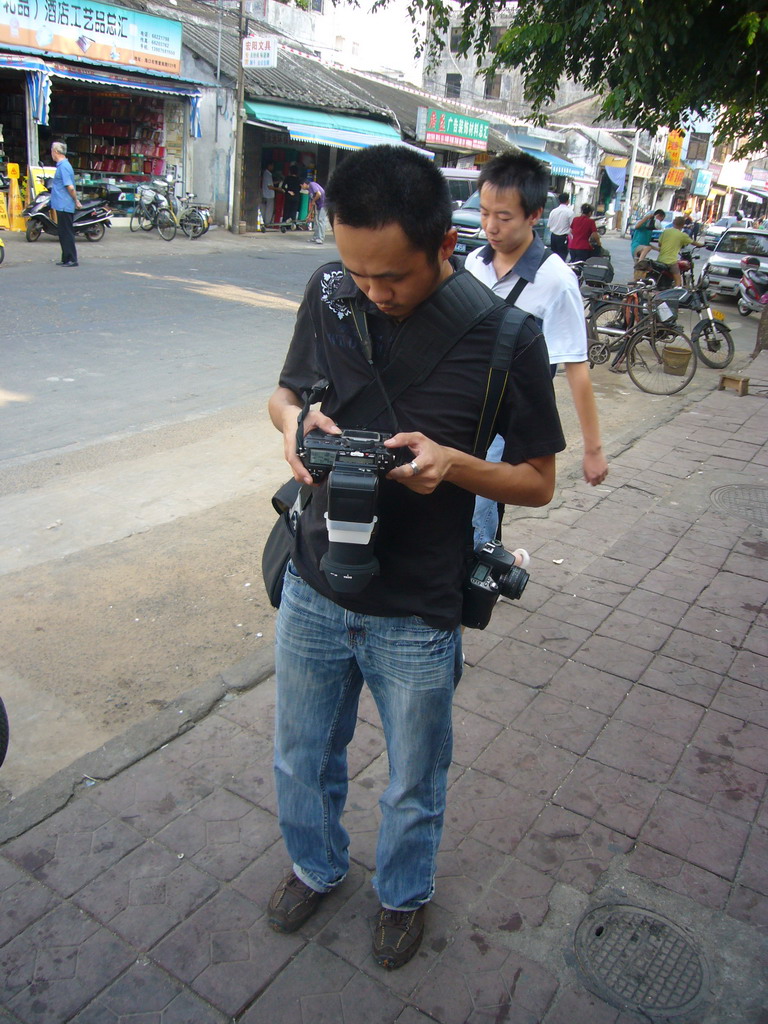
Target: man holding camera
x: 391, y: 213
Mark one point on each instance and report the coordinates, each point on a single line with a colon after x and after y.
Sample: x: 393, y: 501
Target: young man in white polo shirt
x: 516, y: 266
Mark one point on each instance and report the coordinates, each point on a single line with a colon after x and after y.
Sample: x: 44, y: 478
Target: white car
x: 714, y: 231
x: 723, y: 269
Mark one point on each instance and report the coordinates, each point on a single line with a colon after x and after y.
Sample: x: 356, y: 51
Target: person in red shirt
x: 583, y: 238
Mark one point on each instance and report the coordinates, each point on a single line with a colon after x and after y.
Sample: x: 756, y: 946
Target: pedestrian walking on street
x: 64, y: 201
x: 516, y: 266
x: 400, y: 633
x: 559, y: 224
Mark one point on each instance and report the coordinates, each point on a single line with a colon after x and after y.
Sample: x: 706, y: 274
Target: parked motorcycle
x: 753, y: 287
x: 711, y: 335
x: 91, y: 220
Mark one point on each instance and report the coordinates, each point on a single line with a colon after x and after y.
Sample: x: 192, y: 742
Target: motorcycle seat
x: 91, y: 204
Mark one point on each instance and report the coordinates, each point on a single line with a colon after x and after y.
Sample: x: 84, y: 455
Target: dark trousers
x: 66, y: 236
x: 559, y: 244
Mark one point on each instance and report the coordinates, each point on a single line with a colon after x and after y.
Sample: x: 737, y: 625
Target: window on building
x: 455, y: 38
x: 453, y: 86
x: 316, y: 6
x: 698, y: 143
x: 493, y: 87
x: 496, y: 33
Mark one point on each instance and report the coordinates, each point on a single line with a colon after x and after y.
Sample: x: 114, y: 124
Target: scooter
x: 753, y: 287
x: 90, y: 220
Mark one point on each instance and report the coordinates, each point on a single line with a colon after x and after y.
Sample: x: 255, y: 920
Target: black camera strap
x: 503, y: 353
x: 459, y: 304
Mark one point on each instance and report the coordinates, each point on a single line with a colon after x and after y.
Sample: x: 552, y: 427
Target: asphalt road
x: 137, y: 463
x: 144, y: 333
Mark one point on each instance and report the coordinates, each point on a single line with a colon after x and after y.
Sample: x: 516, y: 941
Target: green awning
x: 339, y: 130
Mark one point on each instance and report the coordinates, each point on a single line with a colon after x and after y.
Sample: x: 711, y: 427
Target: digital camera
x: 493, y: 573
x: 353, y: 461
x: 320, y: 452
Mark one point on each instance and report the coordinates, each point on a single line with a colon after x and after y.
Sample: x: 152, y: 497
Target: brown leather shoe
x: 397, y: 936
x: 292, y: 904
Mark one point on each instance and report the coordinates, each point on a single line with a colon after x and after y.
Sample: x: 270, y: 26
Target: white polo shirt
x: 552, y: 294
x: 559, y: 222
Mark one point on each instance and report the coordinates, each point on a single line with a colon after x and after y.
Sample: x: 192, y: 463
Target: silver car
x: 712, y: 232
x: 723, y: 269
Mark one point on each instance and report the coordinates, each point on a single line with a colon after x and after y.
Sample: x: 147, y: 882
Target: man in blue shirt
x: 64, y: 201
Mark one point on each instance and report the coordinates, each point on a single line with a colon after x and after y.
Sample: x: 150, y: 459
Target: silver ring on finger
x: 415, y: 467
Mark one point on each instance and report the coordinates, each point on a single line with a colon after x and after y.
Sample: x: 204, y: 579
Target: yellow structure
x: 14, y: 200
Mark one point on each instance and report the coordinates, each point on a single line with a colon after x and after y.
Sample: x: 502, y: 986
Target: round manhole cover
x: 637, y: 960
x: 748, y: 502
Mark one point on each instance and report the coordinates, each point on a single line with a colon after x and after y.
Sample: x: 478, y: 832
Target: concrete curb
x: 135, y: 743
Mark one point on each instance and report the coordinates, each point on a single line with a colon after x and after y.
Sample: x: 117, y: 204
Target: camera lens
x: 512, y: 583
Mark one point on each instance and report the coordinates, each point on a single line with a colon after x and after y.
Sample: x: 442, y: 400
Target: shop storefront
x: 309, y: 139
x: 122, y: 124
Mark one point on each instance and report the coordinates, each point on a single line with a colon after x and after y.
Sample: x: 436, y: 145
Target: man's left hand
x: 428, y: 467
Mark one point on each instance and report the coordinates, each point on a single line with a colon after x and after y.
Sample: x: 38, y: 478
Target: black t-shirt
x: 421, y: 539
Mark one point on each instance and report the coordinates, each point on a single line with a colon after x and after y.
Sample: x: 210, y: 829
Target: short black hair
x: 657, y: 212
x: 522, y: 172
x: 564, y: 197
x: 586, y: 209
x: 392, y: 185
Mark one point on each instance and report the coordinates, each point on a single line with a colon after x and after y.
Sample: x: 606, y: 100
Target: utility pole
x: 239, y: 114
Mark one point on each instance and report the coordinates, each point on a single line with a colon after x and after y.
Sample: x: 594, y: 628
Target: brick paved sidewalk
x: 611, y: 748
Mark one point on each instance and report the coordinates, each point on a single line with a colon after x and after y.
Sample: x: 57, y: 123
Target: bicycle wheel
x: 714, y: 344
x: 661, y: 360
x: 192, y: 224
x: 166, y: 225
x: 135, y: 222
x: 606, y: 321
x: 147, y: 218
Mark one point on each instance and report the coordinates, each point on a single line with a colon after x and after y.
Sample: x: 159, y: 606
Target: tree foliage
x: 653, y: 62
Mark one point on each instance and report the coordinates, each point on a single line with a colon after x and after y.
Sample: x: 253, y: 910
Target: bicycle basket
x: 145, y: 193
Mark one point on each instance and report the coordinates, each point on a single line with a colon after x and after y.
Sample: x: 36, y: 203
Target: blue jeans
x: 323, y: 654
x: 485, y: 519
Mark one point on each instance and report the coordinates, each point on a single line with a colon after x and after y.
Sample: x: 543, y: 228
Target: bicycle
x: 177, y: 213
x: 710, y: 335
x: 659, y: 357
x: 145, y: 210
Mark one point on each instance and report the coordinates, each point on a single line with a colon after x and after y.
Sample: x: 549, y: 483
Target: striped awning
x: 326, y: 129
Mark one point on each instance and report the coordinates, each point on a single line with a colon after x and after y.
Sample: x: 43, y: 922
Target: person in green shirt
x: 671, y: 241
